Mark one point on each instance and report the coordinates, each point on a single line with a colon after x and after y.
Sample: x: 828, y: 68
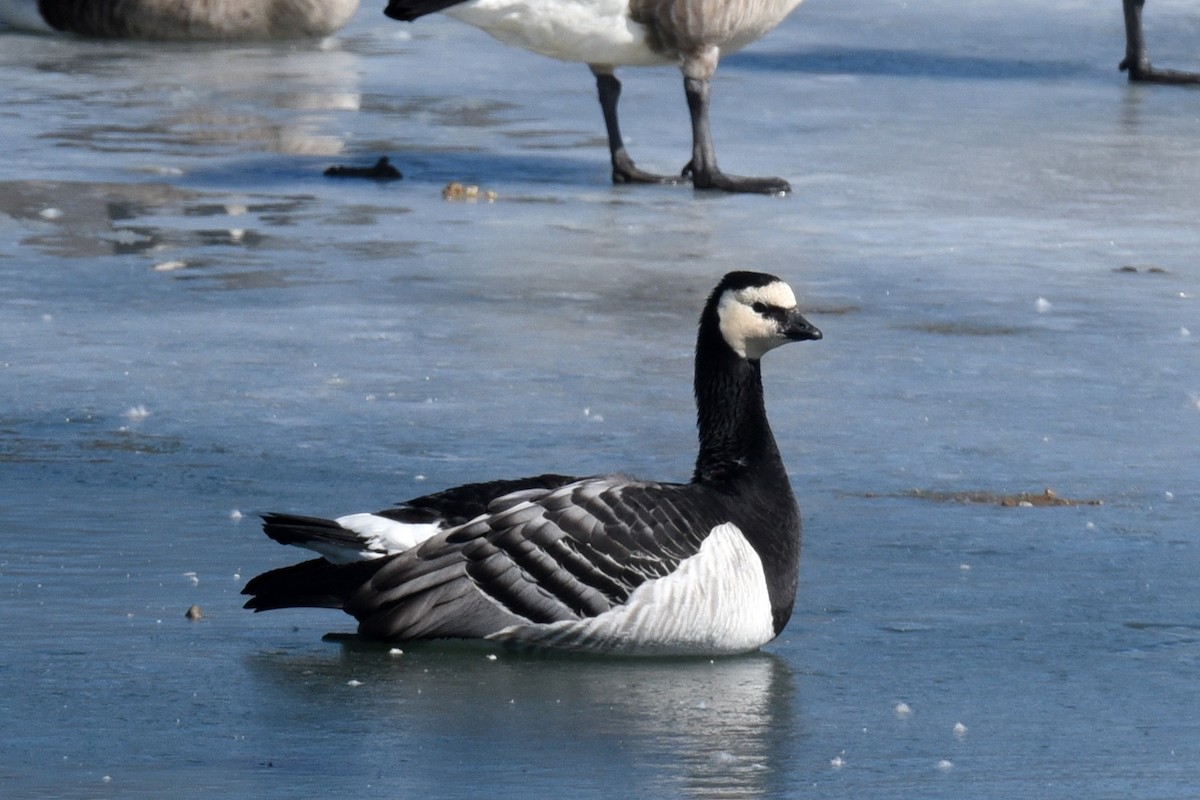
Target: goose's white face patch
x: 749, y: 331
x: 715, y: 602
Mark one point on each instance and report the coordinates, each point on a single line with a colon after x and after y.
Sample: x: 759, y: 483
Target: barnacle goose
x: 181, y: 19
x: 606, y: 34
x: 1137, y: 62
x: 605, y: 564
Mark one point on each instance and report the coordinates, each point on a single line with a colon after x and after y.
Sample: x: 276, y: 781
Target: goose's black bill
x: 799, y: 329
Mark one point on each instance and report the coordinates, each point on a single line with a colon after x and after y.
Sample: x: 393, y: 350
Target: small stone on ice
x: 194, y: 613
x: 456, y: 191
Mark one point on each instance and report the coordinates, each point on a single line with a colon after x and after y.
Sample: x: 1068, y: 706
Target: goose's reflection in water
x: 178, y: 104
x: 584, y: 727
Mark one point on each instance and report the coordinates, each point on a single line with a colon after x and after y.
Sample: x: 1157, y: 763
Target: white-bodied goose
x: 1137, y: 61
x: 605, y: 564
x: 606, y: 34
x: 184, y: 20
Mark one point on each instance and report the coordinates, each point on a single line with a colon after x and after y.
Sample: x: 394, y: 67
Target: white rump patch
x: 714, y: 603
x: 380, y: 537
x: 748, y: 332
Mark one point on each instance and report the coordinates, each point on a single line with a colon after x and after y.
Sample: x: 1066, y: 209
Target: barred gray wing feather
x: 567, y: 554
x: 462, y: 504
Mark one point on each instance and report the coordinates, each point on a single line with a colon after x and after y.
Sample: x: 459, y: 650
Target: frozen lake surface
x: 997, y: 235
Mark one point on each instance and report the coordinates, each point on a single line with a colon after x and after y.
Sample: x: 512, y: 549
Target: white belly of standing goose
x: 588, y: 31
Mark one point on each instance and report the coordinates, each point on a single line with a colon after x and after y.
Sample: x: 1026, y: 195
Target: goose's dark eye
x: 759, y: 308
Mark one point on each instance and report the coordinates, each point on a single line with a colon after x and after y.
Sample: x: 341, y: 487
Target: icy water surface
x: 997, y: 235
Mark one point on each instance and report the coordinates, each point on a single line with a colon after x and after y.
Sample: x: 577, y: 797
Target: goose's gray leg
x: 1136, y: 62
x: 623, y: 168
x: 703, y: 166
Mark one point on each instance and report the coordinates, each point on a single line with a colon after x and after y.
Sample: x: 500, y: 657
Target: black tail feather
x: 298, y: 530
x: 309, y: 584
x: 408, y: 10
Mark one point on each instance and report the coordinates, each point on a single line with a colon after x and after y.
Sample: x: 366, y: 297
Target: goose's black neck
x: 739, y: 460
x: 736, y: 442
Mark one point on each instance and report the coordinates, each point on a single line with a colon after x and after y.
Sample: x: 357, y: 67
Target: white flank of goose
x: 605, y: 34
x: 602, y: 564
x: 184, y: 20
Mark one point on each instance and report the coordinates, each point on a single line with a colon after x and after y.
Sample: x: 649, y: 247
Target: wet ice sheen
x: 194, y: 321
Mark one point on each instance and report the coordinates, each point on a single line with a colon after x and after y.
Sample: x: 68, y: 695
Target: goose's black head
x: 756, y: 312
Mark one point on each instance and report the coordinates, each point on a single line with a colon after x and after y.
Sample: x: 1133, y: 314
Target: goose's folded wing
x: 569, y: 554
x: 462, y: 504
x: 364, y: 537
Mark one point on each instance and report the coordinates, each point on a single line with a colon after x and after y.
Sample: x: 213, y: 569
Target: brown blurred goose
x: 185, y: 20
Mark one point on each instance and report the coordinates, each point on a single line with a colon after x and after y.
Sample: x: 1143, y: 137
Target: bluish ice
x: 997, y: 235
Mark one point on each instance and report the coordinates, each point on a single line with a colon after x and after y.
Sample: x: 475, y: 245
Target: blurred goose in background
x: 606, y: 34
x: 602, y: 564
x: 1137, y: 61
x: 183, y: 20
